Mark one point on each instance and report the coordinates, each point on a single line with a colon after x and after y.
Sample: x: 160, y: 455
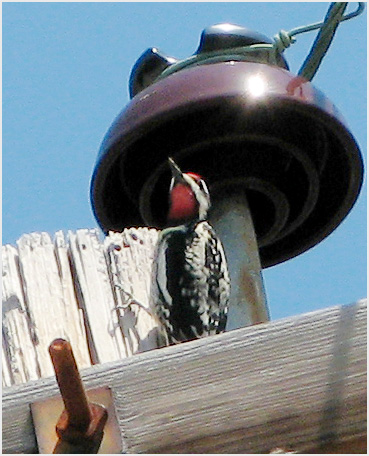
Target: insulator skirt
x: 246, y: 127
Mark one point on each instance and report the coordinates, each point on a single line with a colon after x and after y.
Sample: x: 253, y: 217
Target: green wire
x: 283, y: 40
x: 323, y: 40
x: 317, y: 25
x: 325, y: 36
x: 243, y: 53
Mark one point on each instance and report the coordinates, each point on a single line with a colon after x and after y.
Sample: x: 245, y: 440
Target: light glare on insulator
x: 256, y: 85
x: 227, y: 27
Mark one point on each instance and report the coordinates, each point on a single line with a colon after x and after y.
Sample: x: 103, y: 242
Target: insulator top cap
x: 223, y: 36
x: 152, y: 63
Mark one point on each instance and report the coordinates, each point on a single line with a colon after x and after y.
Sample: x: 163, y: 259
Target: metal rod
x: 232, y: 221
x: 70, y: 384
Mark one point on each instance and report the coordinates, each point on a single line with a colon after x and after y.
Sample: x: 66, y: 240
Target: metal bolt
x: 80, y: 426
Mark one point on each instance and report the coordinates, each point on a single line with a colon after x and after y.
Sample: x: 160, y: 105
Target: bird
x: 190, y: 280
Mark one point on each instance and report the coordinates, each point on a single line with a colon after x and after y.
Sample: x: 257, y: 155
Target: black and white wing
x: 190, y: 282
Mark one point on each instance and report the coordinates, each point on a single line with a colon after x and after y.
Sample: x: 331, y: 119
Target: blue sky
x: 65, y: 78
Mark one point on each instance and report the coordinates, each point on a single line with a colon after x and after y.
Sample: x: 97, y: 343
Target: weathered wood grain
x: 130, y: 256
x: 90, y: 290
x: 72, y: 314
x: 95, y: 296
x: 297, y: 383
x: 52, y: 310
x: 19, y: 358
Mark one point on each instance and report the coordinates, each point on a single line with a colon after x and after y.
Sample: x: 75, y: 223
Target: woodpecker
x: 190, y: 283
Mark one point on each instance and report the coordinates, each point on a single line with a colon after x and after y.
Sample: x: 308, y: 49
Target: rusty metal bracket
x: 76, y: 422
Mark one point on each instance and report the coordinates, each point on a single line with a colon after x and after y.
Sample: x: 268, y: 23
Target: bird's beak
x: 176, y: 172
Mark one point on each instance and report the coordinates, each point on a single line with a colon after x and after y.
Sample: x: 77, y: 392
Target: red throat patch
x: 183, y: 204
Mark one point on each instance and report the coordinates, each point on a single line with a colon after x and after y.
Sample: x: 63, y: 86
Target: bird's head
x: 189, y: 197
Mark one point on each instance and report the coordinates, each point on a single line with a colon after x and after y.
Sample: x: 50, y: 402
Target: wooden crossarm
x: 297, y: 384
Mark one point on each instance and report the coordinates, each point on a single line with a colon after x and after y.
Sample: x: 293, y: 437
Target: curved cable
x: 318, y: 25
x: 323, y: 40
x: 282, y: 41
